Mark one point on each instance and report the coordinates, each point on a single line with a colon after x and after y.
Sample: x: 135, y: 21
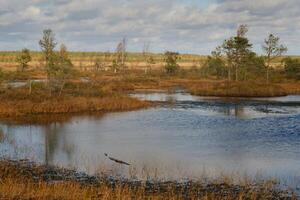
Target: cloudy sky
x: 187, y: 26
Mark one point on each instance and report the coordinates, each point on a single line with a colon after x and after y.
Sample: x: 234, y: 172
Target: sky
x: 186, y: 26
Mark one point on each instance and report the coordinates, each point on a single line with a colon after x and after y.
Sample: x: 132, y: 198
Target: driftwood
x: 116, y: 160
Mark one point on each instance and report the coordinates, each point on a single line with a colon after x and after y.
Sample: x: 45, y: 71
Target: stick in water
x: 116, y: 160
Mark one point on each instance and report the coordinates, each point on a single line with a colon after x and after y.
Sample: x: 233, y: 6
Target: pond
x: 183, y: 136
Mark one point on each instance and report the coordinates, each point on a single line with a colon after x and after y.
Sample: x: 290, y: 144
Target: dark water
x: 184, y: 136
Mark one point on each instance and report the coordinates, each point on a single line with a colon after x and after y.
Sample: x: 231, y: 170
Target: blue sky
x: 186, y: 26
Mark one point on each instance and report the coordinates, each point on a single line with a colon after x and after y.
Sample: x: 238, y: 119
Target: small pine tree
x: 23, y: 59
x: 237, y: 50
x: 63, y: 68
x: 171, y: 65
x: 47, y: 44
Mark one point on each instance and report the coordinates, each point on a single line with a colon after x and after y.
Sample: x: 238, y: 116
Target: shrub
x: 214, y: 66
x: 171, y: 66
x: 292, y: 68
x: 23, y: 59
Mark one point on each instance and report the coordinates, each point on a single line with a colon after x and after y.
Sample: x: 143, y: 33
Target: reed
x: 32, y: 182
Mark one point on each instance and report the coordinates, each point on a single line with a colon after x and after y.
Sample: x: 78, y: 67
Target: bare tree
x: 107, y: 59
x: 272, y: 50
x: 242, y: 30
x: 123, y: 50
x: 63, y: 52
x: 146, y: 47
x: 119, y: 61
x: 148, y: 59
x: 63, y: 68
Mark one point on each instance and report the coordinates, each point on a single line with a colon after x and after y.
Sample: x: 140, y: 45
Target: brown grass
x: 203, y: 87
x: 291, y: 87
x: 13, y: 189
x: 77, y: 98
x: 235, y: 89
x: 17, y: 182
x: 107, y: 92
x: 69, y: 105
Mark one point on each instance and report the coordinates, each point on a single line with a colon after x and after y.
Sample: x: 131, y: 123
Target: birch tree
x: 272, y: 50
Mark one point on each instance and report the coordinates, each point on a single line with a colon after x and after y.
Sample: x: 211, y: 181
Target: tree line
x: 233, y: 60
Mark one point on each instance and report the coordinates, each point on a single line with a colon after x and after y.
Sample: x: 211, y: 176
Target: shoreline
x: 18, y: 103
x: 48, y: 182
x: 112, y: 96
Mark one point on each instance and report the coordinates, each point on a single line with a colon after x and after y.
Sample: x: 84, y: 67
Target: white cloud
x: 168, y: 24
x: 32, y: 13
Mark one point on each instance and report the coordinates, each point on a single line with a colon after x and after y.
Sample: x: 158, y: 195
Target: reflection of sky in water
x: 238, y: 107
x: 190, y: 136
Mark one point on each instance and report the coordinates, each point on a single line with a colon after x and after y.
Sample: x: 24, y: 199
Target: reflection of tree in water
x: 2, y: 136
x: 170, y: 99
x: 263, y: 109
x: 236, y: 110
x: 55, y: 136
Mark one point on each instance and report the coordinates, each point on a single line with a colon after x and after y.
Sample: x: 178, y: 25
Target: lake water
x: 183, y: 136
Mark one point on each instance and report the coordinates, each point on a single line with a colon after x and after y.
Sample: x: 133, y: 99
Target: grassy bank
x: 25, y: 180
x: 236, y: 89
x: 209, y: 87
x: 107, y: 93
x: 61, y: 105
x: 76, y: 98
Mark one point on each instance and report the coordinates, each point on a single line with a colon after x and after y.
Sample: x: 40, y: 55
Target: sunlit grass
x: 236, y: 89
x: 28, y: 181
x: 78, y: 98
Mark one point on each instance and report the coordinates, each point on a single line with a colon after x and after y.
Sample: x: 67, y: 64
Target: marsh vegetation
x: 24, y: 180
x: 58, y: 83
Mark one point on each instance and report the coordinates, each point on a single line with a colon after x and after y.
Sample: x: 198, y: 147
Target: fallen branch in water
x: 116, y: 160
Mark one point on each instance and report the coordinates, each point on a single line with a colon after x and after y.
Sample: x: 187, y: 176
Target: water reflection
x: 55, y: 141
x: 237, y: 111
x: 237, y: 107
x: 189, y: 137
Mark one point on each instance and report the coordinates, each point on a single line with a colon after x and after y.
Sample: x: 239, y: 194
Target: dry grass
x: 235, y: 89
x: 85, y: 60
x: 77, y: 98
x: 106, y: 92
x: 291, y: 87
x: 17, y: 182
x: 12, y: 189
x: 69, y: 105
x: 204, y: 87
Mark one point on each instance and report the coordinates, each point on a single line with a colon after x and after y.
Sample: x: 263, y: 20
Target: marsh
x: 184, y: 136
